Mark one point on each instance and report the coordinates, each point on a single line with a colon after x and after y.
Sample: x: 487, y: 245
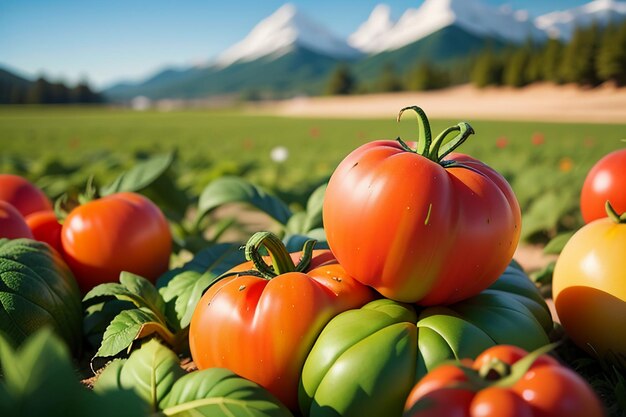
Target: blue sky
x: 109, y: 41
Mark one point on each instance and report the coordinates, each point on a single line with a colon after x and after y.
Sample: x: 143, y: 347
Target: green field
x: 59, y: 148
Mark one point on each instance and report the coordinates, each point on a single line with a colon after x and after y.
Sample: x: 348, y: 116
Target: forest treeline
x: 592, y: 56
x: 42, y: 91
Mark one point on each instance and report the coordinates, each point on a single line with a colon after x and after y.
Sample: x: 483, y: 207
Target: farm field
x: 194, y: 163
x: 59, y: 148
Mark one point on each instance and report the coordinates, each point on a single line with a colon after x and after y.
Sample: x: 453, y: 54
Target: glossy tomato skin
x: 264, y: 329
x: 589, y: 287
x: 26, y: 197
x: 119, y: 232
x: 12, y: 224
x: 46, y: 228
x: 605, y: 181
x: 416, y: 231
x: 546, y: 389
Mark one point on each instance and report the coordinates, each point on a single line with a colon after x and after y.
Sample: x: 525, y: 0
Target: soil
x: 537, y: 102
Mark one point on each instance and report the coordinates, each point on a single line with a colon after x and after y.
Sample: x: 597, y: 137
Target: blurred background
x: 278, y: 93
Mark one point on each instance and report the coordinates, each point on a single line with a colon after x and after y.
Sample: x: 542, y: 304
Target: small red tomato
x: 23, y: 194
x: 605, y: 181
x: 45, y: 228
x: 120, y: 232
x: 504, y: 381
x: 12, y: 224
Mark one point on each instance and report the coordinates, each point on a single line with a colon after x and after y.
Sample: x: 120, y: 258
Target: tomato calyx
x: 613, y: 214
x: 442, y: 145
x: 279, y: 255
x: 497, y: 373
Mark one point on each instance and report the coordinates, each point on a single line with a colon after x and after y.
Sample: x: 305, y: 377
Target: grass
x: 59, y: 147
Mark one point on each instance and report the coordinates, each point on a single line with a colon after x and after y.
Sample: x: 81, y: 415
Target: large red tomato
x: 119, y: 232
x: 23, y: 195
x: 503, y: 381
x: 605, y: 181
x: 262, y: 326
x: 430, y: 226
x: 12, y: 224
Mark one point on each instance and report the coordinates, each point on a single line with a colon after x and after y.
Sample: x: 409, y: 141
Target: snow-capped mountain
x: 280, y: 33
x: 373, y: 31
x: 470, y: 15
x: 561, y: 24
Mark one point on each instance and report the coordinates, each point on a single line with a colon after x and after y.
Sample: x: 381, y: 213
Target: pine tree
x: 388, y: 79
x: 514, y: 73
x: 340, y: 81
x: 487, y: 70
x: 427, y: 77
x: 39, y: 92
x: 579, y: 57
x: 551, y: 57
x: 611, y: 60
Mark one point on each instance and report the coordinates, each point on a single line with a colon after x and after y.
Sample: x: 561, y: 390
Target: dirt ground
x: 538, y: 102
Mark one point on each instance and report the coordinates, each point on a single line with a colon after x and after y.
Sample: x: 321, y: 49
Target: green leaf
x: 39, y: 380
x: 150, y: 371
x: 305, y: 221
x: 132, y: 288
x: 130, y: 325
x: 184, y: 291
x: 220, y: 392
x: 228, y: 189
x: 556, y: 245
x: 544, y: 275
x: 99, y: 316
x: 216, y: 259
x: 141, y: 175
x: 294, y: 243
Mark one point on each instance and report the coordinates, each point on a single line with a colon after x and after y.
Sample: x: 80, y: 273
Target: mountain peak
x: 562, y: 23
x: 281, y: 32
x: 368, y: 35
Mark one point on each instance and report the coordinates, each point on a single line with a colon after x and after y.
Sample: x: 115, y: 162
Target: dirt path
x: 539, y: 102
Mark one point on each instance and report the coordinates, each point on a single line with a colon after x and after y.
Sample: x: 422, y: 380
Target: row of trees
x: 42, y: 91
x: 592, y: 56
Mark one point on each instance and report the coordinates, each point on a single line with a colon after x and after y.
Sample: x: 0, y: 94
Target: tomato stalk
x: 497, y: 373
x: 281, y: 260
x: 442, y: 145
x: 613, y: 214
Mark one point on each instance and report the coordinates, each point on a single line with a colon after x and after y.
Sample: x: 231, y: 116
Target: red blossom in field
x: 361, y: 134
x: 502, y: 142
x: 566, y: 164
x: 248, y: 144
x: 538, y: 139
x: 314, y: 132
x: 74, y: 143
x: 589, y: 142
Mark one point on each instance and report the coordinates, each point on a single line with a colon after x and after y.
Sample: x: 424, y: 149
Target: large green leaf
x: 228, y: 189
x: 184, y: 291
x: 216, y: 259
x: 39, y: 380
x: 132, y: 288
x: 220, y: 392
x: 305, y: 221
x: 555, y: 245
x: 130, y: 325
x: 142, y: 175
x: 98, y: 317
x: 150, y: 371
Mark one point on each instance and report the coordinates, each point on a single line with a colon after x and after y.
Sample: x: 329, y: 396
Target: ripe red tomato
x: 499, y: 383
x: 589, y: 286
x: 430, y: 227
x: 23, y: 195
x: 12, y: 224
x: 605, y: 181
x: 119, y: 232
x: 45, y: 228
x: 263, y: 328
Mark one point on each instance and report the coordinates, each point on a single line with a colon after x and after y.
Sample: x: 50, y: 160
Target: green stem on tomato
x: 613, y: 214
x: 439, y: 148
x: 281, y: 260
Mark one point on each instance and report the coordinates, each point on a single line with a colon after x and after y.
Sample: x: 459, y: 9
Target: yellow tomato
x: 589, y: 286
